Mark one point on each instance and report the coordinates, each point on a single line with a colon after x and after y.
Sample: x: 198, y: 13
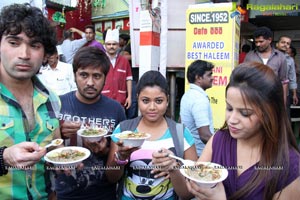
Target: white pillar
x: 150, y: 25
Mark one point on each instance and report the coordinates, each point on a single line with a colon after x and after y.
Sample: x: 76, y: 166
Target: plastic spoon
x: 185, y: 162
x: 107, y: 135
x: 54, y: 143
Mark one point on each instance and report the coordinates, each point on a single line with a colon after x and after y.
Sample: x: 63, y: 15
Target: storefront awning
x: 59, y: 5
x: 117, y: 15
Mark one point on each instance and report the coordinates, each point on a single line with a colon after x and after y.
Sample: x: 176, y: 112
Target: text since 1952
x: 208, y: 17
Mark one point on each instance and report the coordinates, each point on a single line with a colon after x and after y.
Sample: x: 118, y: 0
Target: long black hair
x: 263, y: 91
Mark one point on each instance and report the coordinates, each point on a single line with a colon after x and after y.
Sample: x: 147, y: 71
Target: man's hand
x: 295, y: 98
x: 99, y: 147
x: 69, y: 128
x: 23, y: 155
x: 127, y: 103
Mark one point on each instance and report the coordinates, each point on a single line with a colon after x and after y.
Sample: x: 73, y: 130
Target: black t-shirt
x: 91, y: 182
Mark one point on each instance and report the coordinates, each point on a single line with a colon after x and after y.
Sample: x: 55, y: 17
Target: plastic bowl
x: 186, y: 171
x: 92, y: 137
x: 70, y: 163
x: 129, y: 140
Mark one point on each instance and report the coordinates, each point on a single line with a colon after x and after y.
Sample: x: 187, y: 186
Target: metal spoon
x: 54, y: 143
x: 185, y: 162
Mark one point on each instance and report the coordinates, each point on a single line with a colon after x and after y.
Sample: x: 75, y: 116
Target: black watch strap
x: 3, y: 168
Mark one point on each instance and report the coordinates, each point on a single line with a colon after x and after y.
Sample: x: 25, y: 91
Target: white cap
x: 112, y: 35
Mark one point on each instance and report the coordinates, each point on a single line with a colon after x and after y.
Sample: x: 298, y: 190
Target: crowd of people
x: 44, y: 96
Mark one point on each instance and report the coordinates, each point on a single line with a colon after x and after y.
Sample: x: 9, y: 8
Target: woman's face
x: 242, y: 121
x: 153, y: 103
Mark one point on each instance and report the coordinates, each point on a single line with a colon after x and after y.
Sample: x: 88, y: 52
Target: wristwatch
x: 3, y: 169
x: 118, y: 161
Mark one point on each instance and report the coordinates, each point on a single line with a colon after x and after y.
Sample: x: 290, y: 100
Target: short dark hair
x: 153, y: 78
x: 90, y: 56
x: 246, y: 48
x: 198, y: 67
x: 16, y: 18
x: 263, y: 31
x: 67, y: 34
x: 125, y: 37
x: 90, y: 27
x: 284, y: 36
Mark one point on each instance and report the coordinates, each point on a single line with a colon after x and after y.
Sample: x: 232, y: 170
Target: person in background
x: 282, y: 45
x: 57, y: 75
x: 137, y: 165
x: 256, y: 138
x: 81, y: 108
x: 123, y: 42
x: 292, y: 51
x: 245, y: 49
x: 104, y: 34
x: 195, y: 109
x: 125, y: 50
x: 70, y: 46
x: 90, y: 36
x: 28, y: 110
x: 118, y: 84
x: 266, y: 54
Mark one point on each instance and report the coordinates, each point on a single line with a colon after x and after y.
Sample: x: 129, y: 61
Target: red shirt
x: 115, y: 85
x: 242, y: 57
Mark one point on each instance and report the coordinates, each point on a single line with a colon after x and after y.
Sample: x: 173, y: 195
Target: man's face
x: 262, y: 44
x: 90, y: 82
x: 122, y: 42
x: 284, y: 44
x: 111, y: 47
x: 90, y: 35
x: 206, y: 80
x: 21, y: 56
x: 53, y: 60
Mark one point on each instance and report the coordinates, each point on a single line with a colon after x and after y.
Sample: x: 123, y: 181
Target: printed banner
x: 213, y: 34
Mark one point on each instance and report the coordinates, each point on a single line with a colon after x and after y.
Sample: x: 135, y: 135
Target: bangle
x: 120, y: 162
x: 3, y: 169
